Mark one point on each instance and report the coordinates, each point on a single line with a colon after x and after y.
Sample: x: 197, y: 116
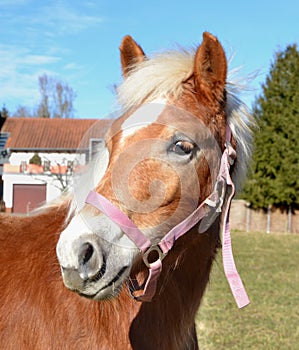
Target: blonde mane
x: 162, y: 76
x: 156, y: 78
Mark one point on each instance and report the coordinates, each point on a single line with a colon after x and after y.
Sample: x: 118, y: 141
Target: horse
x: 124, y: 263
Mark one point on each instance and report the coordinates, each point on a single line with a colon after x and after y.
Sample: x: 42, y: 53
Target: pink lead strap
x: 230, y: 270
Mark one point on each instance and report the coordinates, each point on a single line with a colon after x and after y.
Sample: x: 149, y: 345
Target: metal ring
x: 153, y: 248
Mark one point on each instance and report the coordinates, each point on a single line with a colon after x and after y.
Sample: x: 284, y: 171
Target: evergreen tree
x: 275, y: 169
x: 3, y: 115
x: 4, y: 112
x: 35, y: 159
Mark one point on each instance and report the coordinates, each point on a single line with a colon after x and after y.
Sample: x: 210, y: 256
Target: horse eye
x: 182, y: 148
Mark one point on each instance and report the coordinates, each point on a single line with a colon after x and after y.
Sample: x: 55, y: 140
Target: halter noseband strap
x: 207, y: 212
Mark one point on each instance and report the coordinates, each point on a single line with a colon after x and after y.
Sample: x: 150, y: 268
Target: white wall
x: 53, y: 190
x: 53, y: 185
x: 55, y: 158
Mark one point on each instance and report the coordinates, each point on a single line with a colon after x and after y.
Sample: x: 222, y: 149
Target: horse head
x: 163, y: 159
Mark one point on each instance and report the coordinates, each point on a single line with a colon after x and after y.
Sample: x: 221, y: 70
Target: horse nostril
x: 89, y: 261
x: 85, y: 253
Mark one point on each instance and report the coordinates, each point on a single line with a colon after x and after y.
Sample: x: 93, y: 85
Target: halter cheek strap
x: 207, y: 212
x: 120, y: 219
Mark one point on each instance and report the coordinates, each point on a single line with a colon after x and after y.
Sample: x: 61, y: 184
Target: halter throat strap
x: 207, y: 212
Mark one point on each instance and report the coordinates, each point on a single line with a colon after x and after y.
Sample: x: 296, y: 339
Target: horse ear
x: 130, y: 53
x: 210, y: 69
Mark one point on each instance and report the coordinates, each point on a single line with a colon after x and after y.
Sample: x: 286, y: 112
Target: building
x: 39, y: 155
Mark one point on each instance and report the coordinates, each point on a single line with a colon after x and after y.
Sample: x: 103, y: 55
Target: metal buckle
x: 231, y: 153
x: 153, y: 248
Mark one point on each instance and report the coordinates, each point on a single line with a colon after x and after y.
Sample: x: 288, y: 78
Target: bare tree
x: 63, y: 100
x: 45, y: 88
x: 22, y: 112
x: 61, y: 178
x: 56, y: 98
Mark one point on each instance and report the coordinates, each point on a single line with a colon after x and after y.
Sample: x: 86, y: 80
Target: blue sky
x: 77, y: 42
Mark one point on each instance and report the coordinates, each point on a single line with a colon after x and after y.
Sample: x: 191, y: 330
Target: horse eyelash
x: 186, y: 147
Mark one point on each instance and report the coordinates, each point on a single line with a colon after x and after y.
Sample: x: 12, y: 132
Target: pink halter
x: 207, y: 211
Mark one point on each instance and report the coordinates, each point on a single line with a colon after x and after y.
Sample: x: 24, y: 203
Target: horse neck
x: 171, y: 313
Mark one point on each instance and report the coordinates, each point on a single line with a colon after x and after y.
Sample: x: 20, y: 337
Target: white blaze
x: 142, y: 117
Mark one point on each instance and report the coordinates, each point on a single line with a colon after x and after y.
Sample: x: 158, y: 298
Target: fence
x: 244, y: 218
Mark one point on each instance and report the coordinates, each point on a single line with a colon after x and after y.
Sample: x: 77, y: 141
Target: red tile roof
x: 52, y: 134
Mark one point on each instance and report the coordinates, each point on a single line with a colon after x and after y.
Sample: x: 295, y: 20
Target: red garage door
x: 28, y: 197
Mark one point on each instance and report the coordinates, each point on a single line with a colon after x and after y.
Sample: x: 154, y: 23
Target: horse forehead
x: 142, y: 117
x: 157, y: 120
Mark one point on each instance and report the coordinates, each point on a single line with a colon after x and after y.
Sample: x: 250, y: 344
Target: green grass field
x: 269, y: 268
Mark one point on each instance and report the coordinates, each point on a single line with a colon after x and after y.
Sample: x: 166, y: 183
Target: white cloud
x: 72, y: 66
x: 46, y: 19
x: 36, y: 34
x: 64, y: 19
x: 19, y: 72
x: 35, y: 60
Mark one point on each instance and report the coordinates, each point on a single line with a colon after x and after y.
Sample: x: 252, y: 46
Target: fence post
x: 268, y: 230
x: 247, y: 216
x: 289, y: 224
